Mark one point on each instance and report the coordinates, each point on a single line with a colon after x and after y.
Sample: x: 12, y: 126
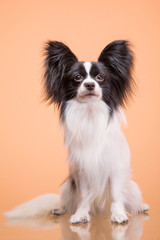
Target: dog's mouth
x: 89, y: 94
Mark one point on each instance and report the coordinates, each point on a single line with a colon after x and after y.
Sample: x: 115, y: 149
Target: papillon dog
x: 90, y: 97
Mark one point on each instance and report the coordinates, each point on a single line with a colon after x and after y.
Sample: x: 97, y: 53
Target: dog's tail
x: 40, y: 206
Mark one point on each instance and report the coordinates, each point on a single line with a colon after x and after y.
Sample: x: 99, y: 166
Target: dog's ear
x: 118, y: 59
x: 58, y: 61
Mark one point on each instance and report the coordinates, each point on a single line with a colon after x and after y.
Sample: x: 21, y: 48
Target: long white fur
x: 99, y: 151
x: 39, y: 206
x: 99, y: 157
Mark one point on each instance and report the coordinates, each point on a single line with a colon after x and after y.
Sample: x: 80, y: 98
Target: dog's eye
x: 99, y: 78
x: 78, y: 78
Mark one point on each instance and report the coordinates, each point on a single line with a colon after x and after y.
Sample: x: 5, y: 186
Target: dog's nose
x: 89, y: 85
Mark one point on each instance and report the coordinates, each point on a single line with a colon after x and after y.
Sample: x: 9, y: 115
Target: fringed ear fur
x: 58, y: 61
x: 118, y: 59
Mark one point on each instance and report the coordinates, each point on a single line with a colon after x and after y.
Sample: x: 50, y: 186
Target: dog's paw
x: 80, y: 218
x: 58, y: 211
x: 119, y: 217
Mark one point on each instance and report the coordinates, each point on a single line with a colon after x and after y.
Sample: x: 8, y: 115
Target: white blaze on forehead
x: 83, y: 91
x: 87, y: 66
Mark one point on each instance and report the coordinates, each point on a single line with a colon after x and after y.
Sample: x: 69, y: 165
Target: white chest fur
x: 85, y: 123
x: 95, y: 143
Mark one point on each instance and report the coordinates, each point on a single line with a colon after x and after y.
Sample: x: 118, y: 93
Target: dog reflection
x: 99, y: 228
x: 133, y: 230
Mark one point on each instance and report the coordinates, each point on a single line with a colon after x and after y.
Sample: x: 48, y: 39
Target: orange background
x: 32, y: 155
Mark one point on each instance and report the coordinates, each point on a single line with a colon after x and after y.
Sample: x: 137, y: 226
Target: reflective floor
x: 142, y: 226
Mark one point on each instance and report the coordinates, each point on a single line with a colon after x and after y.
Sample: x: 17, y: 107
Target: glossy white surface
x: 139, y: 227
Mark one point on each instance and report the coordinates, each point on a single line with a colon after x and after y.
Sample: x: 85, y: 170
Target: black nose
x: 90, y: 85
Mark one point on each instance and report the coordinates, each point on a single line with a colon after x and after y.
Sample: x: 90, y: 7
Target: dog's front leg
x: 118, y: 213
x: 82, y: 213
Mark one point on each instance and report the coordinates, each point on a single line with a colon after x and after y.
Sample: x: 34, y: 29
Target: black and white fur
x: 90, y: 96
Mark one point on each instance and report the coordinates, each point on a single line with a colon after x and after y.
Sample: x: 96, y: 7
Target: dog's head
x: 108, y: 79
